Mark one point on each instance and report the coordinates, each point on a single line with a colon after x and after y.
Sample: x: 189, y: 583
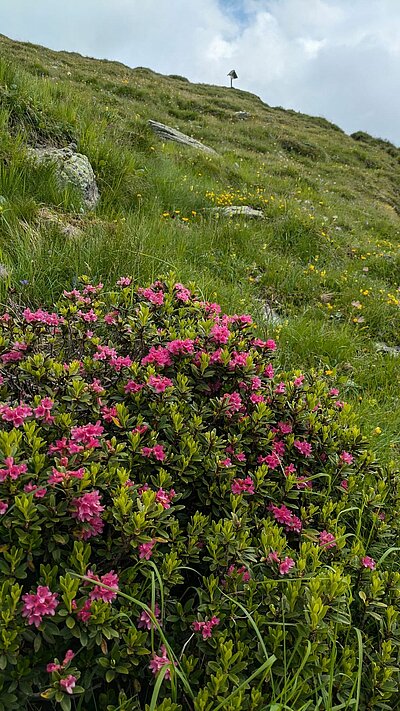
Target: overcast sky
x: 334, y: 58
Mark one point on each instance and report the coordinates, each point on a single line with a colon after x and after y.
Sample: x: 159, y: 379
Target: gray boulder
x: 72, y: 168
x: 238, y: 211
x: 242, y: 115
x: 166, y: 133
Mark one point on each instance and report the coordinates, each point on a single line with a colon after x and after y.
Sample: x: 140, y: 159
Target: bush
x: 181, y: 526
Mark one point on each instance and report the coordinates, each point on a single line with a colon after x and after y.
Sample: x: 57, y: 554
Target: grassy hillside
x: 326, y: 258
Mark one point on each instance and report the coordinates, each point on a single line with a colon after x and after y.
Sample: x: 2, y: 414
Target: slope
x: 321, y: 272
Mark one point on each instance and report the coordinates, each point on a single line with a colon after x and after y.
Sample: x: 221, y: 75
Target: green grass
x: 332, y: 205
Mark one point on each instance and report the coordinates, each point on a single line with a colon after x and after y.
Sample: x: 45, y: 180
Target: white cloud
x: 337, y: 58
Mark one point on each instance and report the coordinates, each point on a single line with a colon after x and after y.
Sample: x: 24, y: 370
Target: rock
x: 238, y: 211
x: 384, y: 348
x: 66, y: 228
x: 271, y: 316
x: 242, y: 115
x: 73, y: 168
x: 166, y: 133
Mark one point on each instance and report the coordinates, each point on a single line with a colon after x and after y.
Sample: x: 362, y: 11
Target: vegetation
x: 287, y: 577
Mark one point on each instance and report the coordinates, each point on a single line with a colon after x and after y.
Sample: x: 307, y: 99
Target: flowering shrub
x: 171, y: 504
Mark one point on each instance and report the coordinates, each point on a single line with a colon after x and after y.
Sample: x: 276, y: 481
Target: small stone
x: 242, y: 115
x: 238, y: 211
x: 166, y: 133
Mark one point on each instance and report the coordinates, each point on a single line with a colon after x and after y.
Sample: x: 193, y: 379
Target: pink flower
x: 158, y: 662
x: 39, y: 604
x: 179, y: 347
x: 145, y: 621
x: 3, y: 507
x: 284, y: 516
x: 159, y: 383
x: 269, y: 371
x: 99, y: 593
x: 155, y: 297
x: 12, y: 470
x: 160, y: 356
x: 124, y: 281
x: 68, y: 683
x: 84, y: 614
x: 182, y: 293
x: 146, y: 549
x: 157, y: 452
x: 333, y: 392
x: 280, y: 388
x: 52, y: 667
x: 241, y: 486
x: 205, y: 627
x: 242, y: 572
x: 303, y: 447
x: 327, y: 540
x: 344, y: 484
x: 164, y: 498
x: 368, y: 562
x: 298, y: 381
x: 69, y: 655
x: 87, y: 506
x: 286, y: 565
x: 132, y: 387
x: 285, y: 427
x: 273, y: 557
x: 346, y: 458
x: 220, y: 334
x: 234, y: 402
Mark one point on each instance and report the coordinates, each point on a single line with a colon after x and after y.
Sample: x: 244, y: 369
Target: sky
x: 334, y: 58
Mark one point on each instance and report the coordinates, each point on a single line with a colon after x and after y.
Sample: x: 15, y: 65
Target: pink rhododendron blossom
x: 145, y: 621
x: 69, y: 655
x: 269, y: 371
x: 41, y: 316
x: 346, y: 457
x: 225, y: 462
x: 182, y: 293
x: 124, y: 281
x: 280, y: 388
x: 285, y: 427
x: 68, y: 683
x: 242, y: 571
x: 84, y: 614
x: 220, y: 334
x: 238, y: 360
x: 205, y: 627
x: 159, y: 356
x: 333, y: 392
x: 12, y: 470
x: 53, y: 667
x: 273, y: 557
x: 159, y: 383
x: 37, y: 491
x: 164, y: 498
x: 344, y: 484
x: 39, y: 604
x: 132, y: 387
x: 242, y: 486
x: 42, y: 411
x: 3, y: 507
x: 181, y: 347
x: 155, y: 297
x: 146, y: 549
x: 368, y: 562
x: 327, y: 540
x: 298, y: 381
x: 98, y: 592
x: 286, y: 565
x: 284, y: 516
x: 303, y: 447
x: 157, y: 452
x: 233, y: 401
x: 16, y: 415
x: 158, y: 662
x: 87, y: 506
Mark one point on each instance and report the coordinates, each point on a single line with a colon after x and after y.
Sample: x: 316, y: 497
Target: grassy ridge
x: 326, y: 258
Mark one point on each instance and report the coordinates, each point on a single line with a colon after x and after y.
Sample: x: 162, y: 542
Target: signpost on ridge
x: 232, y: 74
